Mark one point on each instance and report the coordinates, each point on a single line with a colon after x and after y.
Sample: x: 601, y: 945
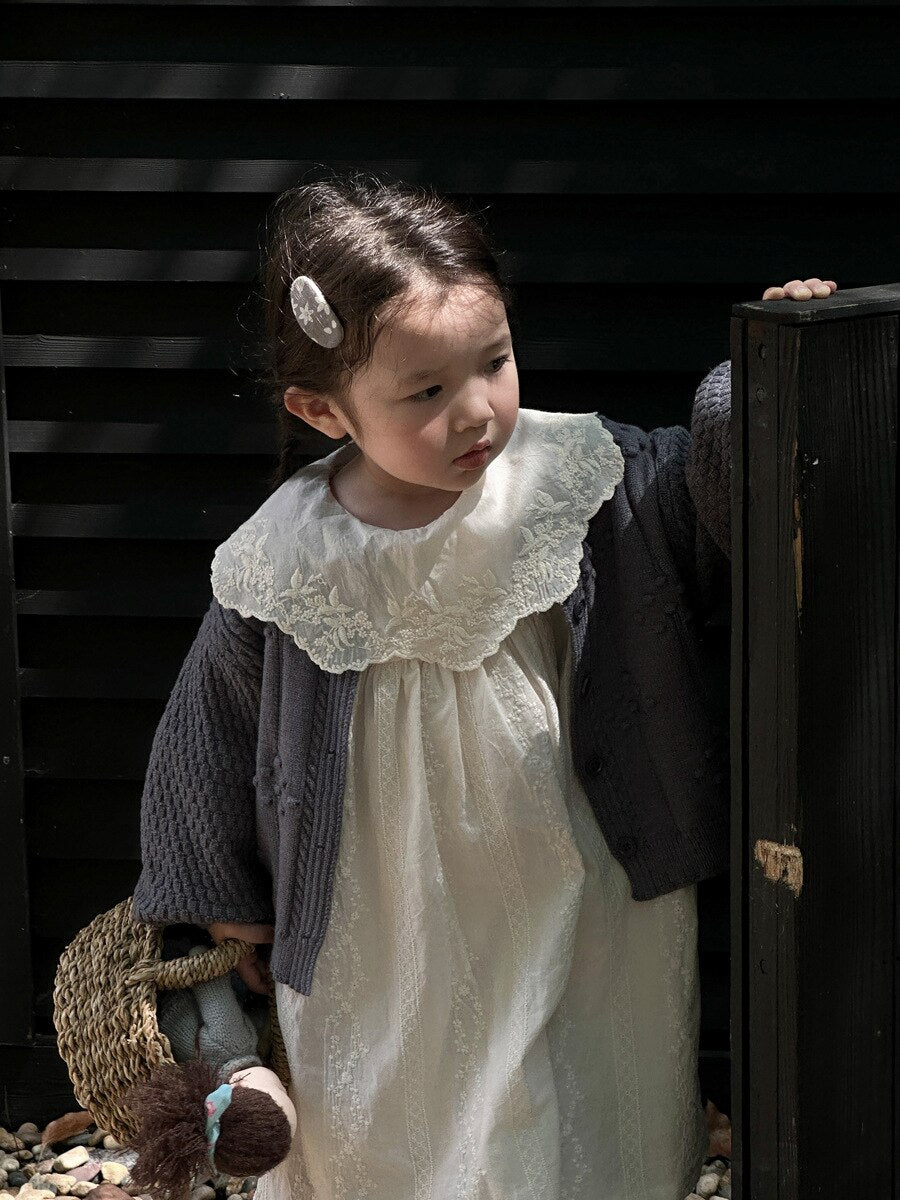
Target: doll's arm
x: 198, y: 825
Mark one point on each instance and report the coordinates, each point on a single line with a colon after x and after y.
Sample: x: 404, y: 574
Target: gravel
x: 76, y: 1165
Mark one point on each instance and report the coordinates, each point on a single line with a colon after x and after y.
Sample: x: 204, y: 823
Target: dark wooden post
x: 814, y: 747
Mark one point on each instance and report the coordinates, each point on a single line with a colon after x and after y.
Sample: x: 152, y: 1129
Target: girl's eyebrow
x: 416, y: 375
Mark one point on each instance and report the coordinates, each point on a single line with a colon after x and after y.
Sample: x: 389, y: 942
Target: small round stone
x: 71, y: 1158
x: 62, y: 1183
x: 706, y: 1185
x: 29, y: 1134
x: 114, y: 1172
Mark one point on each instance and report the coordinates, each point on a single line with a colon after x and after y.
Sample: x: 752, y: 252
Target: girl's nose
x: 473, y: 411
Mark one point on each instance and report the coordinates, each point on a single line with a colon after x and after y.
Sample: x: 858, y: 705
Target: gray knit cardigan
x: 242, y: 801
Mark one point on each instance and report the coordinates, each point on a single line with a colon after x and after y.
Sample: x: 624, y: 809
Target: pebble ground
x: 77, y: 1165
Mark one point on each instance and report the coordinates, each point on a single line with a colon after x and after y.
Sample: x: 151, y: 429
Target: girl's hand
x: 801, y: 289
x: 252, y: 969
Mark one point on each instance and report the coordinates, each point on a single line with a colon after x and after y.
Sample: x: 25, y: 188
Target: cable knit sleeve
x: 694, y: 484
x: 198, y: 822
x: 707, y: 469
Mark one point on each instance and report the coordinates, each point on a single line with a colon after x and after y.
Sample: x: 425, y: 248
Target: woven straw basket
x: 104, y: 1010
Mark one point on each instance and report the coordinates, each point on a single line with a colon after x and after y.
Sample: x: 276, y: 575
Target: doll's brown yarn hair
x: 254, y: 1134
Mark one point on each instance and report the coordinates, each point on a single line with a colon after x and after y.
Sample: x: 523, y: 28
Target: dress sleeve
x: 199, y: 862
x: 694, y: 482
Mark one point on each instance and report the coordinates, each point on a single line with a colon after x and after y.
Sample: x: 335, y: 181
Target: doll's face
x: 264, y: 1080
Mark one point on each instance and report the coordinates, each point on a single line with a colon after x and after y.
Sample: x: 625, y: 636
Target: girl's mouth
x: 475, y: 457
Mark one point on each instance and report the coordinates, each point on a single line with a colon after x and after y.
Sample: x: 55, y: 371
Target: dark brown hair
x: 367, y: 243
x: 254, y: 1133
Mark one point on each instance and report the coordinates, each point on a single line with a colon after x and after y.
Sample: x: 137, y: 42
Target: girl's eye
x: 425, y: 394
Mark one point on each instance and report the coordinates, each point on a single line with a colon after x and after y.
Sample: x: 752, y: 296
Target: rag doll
x: 216, y: 1108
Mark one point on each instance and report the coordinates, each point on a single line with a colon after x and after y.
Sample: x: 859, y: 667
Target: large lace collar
x: 449, y: 592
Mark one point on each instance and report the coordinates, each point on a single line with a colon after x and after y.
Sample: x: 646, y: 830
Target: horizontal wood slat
x: 138, y: 520
x: 860, y: 79
x: 655, y: 345
x: 109, y: 437
x: 157, y: 353
x: 639, y: 241
x: 702, y: 155
x: 120, y: 601
x: 150, y: 682
x: 57, y: 828
x: 592, y: 262
x: 128, y: 266
x: 122, y: 761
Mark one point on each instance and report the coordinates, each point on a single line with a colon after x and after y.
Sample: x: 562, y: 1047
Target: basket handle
x: 184, y: 972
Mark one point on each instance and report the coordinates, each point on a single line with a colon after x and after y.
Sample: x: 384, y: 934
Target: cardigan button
x: 585, y: 685
x: 626, y: 847
x: 594, y: 764
x: 659, y: 580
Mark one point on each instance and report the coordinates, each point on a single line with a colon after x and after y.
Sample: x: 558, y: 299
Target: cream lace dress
x: 491, y: 1016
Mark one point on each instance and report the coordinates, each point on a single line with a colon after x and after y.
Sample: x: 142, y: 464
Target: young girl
x: 419, y: 713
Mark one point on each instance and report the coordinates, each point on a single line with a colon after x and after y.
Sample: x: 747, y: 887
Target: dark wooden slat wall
x: 643, y: 165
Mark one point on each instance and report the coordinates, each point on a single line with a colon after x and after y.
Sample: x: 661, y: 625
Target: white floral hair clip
x: 314, y: 314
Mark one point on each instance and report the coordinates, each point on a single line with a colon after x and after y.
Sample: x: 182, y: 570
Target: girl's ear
x: 296, y: 400
x: 317, y: 411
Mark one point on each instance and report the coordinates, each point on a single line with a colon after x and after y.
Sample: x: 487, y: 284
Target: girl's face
x: 441, y: 378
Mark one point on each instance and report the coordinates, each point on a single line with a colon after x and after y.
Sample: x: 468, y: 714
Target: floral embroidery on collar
x: 448, y: 592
